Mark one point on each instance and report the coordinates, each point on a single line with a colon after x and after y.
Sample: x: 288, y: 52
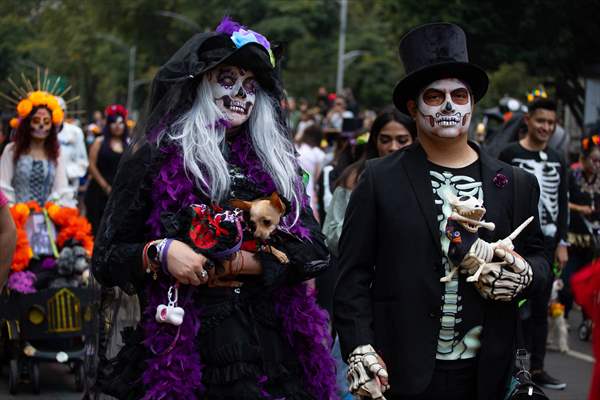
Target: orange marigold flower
x: 38, y: 98
x: 57, y: 116
x: 52, y: 102
x: 14, y: 123
x: 33, y: 205
x: 24, y: 108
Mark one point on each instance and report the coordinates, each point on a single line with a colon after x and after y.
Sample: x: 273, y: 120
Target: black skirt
x: 243, y: 352
x: 242, y: 347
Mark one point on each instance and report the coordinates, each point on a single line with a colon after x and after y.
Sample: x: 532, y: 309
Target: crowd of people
x: 231, y: 203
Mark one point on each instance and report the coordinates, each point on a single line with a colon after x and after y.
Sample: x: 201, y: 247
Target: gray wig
x: 201, y: 135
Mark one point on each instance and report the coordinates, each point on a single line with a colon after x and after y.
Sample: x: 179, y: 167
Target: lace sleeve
x: 122, y: 234
x: 308, y: 257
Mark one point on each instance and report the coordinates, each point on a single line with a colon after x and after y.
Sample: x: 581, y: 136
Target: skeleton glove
x: 504, y: 281
x: 367, y: 375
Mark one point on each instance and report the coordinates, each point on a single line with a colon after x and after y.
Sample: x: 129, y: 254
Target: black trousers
x: 535, y: 328
x: 448, y: 384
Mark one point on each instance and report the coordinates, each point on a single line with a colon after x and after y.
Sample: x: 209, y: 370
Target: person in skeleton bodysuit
x: 243, y: 325
x: 403, y: 331
x: 533, y: 155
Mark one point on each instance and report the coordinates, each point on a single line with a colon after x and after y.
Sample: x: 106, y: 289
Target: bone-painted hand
x: 367, y: 374
x: 505, y: 280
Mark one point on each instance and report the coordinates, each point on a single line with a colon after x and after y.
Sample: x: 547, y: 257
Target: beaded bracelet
x: 163, y: 256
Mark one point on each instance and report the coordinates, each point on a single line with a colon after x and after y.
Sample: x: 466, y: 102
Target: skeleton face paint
x: 444, y: 108
x: 41, y: 123
x: 234, y: 91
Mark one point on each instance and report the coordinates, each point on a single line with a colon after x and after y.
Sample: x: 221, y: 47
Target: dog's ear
x: 277, y: 203
x: 241, y: 204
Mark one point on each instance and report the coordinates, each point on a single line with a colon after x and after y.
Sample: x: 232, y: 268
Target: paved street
x: 55, y: 381
x: 575, y: 368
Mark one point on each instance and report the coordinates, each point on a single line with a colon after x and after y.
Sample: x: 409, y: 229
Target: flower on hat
x: 116, y: 109
x: 241, y: 36
x: 24, y: 108
x: 38, y: 98
x: 57, y: 116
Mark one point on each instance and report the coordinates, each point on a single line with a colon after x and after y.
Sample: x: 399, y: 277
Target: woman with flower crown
x: 238, y: 323
x: 31, y: 167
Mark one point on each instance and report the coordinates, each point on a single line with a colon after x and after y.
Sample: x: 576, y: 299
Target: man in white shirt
x: 73, y: 151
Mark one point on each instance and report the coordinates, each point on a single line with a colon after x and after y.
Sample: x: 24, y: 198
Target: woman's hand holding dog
x: 185, y: 265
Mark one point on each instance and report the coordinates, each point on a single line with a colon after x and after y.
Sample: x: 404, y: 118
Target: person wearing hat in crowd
x: 248, y: 327
x: 533, y: 155
x: 402, y: 331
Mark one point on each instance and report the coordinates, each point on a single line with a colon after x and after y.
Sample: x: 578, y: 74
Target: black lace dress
x: 243, y: 351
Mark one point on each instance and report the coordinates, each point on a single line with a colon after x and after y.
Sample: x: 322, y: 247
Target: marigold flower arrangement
x: 69, y: 224
x: 35, y: 99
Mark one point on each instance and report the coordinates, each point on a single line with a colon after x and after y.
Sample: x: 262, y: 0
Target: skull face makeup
x: 234, y: 91
x: 41, y: 123
x: 444, y: 108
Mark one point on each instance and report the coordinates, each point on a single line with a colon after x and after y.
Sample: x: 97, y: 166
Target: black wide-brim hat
x: 436, y: 51
x: 204, y: 51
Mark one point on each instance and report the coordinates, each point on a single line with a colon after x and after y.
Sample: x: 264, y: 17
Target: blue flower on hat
x: 242, y: 37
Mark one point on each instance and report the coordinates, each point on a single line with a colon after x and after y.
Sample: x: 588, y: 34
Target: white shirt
x: 74, y: 154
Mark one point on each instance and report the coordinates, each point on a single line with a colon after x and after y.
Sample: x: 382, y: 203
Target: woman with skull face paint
x: 250, y: 330
x: 30, y: 167
x: 105, y: 154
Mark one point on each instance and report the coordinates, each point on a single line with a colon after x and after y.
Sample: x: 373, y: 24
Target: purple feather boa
x: 177, y: 374
x: 306, y: 327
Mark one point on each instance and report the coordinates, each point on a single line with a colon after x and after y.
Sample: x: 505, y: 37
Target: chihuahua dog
x: 265, y: 214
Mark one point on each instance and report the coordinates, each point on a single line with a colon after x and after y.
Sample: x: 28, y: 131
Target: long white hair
x: 202, y: 138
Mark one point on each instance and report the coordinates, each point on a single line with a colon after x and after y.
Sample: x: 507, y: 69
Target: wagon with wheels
x: 49, y: 307
x: 52, y: 325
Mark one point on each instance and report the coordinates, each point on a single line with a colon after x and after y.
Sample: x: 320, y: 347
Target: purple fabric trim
x: 163, y: 259
x: 306, y: 327
x: 178, y: 373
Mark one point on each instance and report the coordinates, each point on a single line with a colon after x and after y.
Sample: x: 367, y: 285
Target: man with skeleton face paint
x: 406, y: 334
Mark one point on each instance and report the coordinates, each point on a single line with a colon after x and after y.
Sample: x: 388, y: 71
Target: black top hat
x: 436, y: 51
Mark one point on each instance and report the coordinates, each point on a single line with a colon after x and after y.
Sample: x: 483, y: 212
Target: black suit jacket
x: 389, y: 293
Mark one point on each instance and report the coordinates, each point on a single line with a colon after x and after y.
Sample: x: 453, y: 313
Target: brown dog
x: 265, y: 214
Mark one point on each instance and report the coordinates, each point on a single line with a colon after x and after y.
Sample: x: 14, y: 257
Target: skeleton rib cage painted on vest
x: 451, y: 346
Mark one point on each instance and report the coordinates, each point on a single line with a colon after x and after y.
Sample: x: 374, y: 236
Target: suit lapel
x: 417, y: 169
x: 493, y: 195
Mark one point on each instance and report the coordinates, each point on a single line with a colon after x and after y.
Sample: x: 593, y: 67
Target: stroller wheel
x: 13, y: 376
x: 34, y: 375
x: 584, y: 331
x: 80, y: 380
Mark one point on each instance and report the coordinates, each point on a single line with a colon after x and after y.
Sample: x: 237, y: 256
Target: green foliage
x: 517, y: 42
x: 511, y: 80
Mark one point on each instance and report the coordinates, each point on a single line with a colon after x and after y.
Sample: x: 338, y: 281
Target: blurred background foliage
x: 519, y: 43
